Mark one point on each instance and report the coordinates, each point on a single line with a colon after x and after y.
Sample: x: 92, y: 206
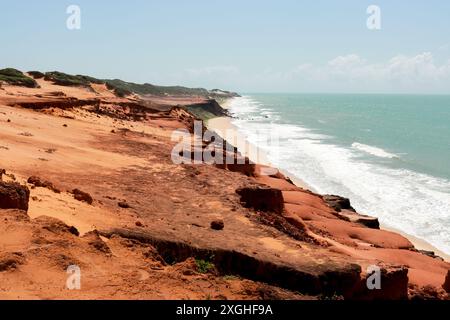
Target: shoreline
x: 224, y: 124
x: 234, y: 137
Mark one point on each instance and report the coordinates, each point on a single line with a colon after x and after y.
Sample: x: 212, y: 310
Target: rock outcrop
x: 446, y: 284
x: 338, y: 203
x: 38, y: 182
x: 393, y: 285
x: 82, y: 196
x: 369, y: 222
x: 217, y: 225
x: 308, y: 277
x: 262, y: 198
x: 14, y: 196
x: 346, y: 212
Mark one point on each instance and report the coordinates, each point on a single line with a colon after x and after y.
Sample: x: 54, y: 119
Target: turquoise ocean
x: 390, y: 154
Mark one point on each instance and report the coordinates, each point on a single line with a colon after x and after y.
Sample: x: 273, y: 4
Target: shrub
x: 36, y: 74
x: 204, y: 266
x: 17, y: 78
x: 64, y: 79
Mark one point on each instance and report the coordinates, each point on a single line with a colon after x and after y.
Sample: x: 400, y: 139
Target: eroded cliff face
x: 129, y: 217
x: 207, y: 109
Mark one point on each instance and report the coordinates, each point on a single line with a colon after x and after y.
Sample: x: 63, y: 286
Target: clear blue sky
x: 246, y: 45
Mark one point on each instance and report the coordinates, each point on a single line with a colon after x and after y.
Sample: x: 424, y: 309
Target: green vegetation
x: 36, y: 74
x: 201, y: 113
x: 207, y: 111
x: 204, y: 266
x: 64, y: 79
x: 17, y: 78
x: 121, y: 88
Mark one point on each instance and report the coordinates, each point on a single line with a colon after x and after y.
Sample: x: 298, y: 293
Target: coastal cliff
x: 87, y: 179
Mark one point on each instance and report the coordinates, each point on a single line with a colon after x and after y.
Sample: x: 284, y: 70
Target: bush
x: 36, y: 74
x: 64, y: 79
x: 17, y: 78
x: 90, y: 79
x: 204, y: 266
x: 120, y: 88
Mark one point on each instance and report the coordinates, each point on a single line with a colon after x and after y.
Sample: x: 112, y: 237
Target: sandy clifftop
x: 107, y: 197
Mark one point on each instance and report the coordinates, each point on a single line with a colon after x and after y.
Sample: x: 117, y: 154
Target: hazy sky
x: 245, y: 45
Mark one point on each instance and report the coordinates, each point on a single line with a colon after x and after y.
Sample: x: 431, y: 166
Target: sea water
x: 390, y: 154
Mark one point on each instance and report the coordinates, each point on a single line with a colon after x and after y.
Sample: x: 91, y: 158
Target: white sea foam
x: 378, y: 152
x: 418, y: 204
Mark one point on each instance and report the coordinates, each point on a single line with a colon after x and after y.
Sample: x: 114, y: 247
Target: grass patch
x: 204, y: 266
x: 17, y: 78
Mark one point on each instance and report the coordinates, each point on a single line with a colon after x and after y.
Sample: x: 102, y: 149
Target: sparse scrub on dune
x: 119, y: 87
x: 36, y: 74
x: 17, y: 78
x: 64, y: 79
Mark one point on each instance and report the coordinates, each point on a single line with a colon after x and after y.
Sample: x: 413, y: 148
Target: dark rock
x: 338, y: 203
x: 430, y: 254
x: 82, y: 196
x: 352, y: 216
x: 139, y: 224
x: 262, y: 198
x: 124, y: 205
x: 74, y: 231
x: 217, y: 225
x: 14, y: 196
x: 346, y: 212
x: 38, y: 182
